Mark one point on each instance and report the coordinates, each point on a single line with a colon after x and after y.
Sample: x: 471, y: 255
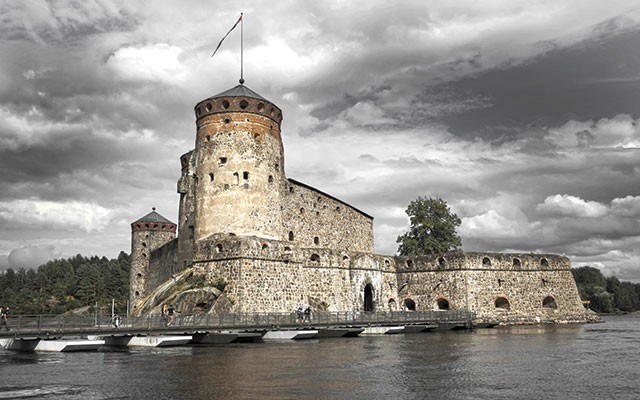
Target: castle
x: 267, y: 243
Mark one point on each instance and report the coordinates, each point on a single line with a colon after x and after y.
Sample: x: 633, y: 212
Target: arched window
x: 290, y: 236
x: 218, y: 248
x: 544, y: 262
x: 516, y: 262
x: 486, y: 262
x: 442, y: 304
x: 549, y: 302
x: 409, y: 304
x: 314, y: 257
x: 316, y: 240
x: 502, y: 303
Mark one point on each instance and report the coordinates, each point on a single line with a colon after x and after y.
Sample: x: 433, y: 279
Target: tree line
x: 606, y: 294
x: 63, y: 285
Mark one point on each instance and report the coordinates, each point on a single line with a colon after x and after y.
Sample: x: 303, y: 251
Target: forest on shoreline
x: 64, y: 285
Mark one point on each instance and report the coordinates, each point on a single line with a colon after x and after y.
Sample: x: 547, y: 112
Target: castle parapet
x: 484, y: 262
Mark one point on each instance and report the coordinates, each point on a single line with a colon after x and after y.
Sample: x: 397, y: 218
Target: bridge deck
x: 47, y: 326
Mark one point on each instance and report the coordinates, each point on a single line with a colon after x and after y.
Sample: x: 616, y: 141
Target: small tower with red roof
x: 147, y: 234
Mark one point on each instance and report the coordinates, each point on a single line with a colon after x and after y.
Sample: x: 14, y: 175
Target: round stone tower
x: 147, y: 234
x: 239, y: 165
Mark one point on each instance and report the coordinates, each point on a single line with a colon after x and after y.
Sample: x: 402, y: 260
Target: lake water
x: 596, y: 361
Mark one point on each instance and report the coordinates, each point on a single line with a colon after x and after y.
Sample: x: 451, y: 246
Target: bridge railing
x: 88, y: 324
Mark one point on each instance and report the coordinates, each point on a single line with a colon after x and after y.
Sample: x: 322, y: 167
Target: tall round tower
x: 147, y: 234
x: 239, y: 165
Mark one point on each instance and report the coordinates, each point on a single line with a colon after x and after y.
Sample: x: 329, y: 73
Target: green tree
x: 589, y: 276
x: 625, y: 297
x: 432, y: 228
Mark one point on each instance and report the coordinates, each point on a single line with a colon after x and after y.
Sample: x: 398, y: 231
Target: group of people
x: 168, y: 314
x: 303, y: 314
x: 4, y: 316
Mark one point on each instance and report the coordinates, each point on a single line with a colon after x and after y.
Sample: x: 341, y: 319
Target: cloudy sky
x: 523, y: 116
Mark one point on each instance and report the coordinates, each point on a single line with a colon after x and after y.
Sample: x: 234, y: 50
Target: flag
x: 225, y: 36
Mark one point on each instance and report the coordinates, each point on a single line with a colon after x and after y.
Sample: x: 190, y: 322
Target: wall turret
x: 239, y: 164
x: 147, y: 234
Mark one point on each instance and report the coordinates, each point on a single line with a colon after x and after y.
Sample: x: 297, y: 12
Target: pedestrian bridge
x: 47, y: 326
x: 77, y: 333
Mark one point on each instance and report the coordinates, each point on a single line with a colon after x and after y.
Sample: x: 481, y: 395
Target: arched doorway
x: 368, y: 298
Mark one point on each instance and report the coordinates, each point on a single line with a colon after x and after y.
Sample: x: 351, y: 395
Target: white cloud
x: 571, y: 206
x: 64, y: 215
x: 154, y: 62
x: 620, y: 131
x: 365, y: 113
x: 628, y: 206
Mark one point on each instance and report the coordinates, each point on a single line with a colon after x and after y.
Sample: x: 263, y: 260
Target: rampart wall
x: 268, y: 275
x: 163, y: 263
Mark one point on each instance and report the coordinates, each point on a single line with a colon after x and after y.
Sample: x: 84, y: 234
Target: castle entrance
x: 368, y: 298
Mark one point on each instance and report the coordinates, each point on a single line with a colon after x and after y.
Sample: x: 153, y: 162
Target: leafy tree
x: 625, y: 297
x: 589, y: 276
x: 432, y: 228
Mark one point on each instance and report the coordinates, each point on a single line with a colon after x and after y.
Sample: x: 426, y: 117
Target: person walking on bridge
x: 4, y: 316
x: 171, y: 313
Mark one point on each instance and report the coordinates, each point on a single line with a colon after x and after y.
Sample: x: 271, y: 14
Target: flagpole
x: 241, y: 48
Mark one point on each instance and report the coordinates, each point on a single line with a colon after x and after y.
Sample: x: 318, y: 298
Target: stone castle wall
x: 275, y: 276
x: 186, y: 211
x: 163, y: 263
x: 315, y: 219
x: 503, y: 287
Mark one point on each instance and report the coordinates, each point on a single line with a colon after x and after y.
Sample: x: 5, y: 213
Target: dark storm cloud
x: 62, y: 21
x: 584, y: 81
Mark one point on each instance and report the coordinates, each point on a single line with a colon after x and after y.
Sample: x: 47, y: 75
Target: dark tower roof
x: 153, y: 216
x: 240, y: 90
